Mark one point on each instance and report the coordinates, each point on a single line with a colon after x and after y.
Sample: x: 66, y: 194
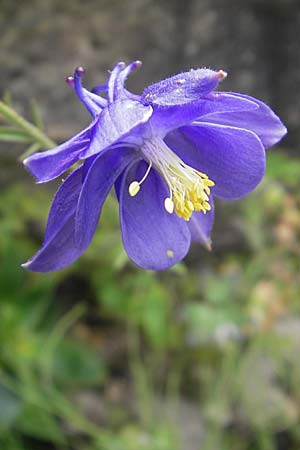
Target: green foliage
x: 10, y: 407
x: 284, y: 168
x: 75, y: 365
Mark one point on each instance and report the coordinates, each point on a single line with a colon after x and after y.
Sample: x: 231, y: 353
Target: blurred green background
x: 103, y: 355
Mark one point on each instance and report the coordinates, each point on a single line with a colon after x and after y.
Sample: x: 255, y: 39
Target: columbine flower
x: 166, y: 152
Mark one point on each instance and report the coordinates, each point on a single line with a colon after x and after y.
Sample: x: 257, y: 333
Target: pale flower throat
x: 189, y: 189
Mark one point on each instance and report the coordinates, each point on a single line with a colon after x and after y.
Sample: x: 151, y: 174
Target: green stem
x: 30, y: 129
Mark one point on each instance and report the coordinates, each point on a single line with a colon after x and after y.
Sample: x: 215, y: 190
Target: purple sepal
x: 166, y: 119
x: 153, y: 238
x: 232, y: 157
x: 59, y: 248
x: 262, y: 120
x: 47, y: 165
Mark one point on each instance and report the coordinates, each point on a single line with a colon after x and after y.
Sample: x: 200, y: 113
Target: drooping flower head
x: 166, y: 152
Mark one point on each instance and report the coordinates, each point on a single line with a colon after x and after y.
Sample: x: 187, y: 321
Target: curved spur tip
x: 70, y: 81
x: 80, y: 71
x: 221, y: 74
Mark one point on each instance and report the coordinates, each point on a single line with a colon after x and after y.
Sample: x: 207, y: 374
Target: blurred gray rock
x: 42, y: 41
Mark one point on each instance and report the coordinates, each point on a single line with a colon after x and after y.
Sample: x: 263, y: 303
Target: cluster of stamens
x: 189, y: 192
x: 189, y: 188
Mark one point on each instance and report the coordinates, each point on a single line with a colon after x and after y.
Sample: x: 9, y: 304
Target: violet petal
x: 119, y: 121
x: 98, y: 181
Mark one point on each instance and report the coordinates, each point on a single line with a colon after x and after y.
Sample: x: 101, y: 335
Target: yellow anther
x: 169, y: 205
x: 134, y: 188
x: 190, y: 205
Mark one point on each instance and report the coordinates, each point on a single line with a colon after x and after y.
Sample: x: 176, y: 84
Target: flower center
x: 189, y: 188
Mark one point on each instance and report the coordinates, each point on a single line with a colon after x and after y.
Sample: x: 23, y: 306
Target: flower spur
x: 166, y: 151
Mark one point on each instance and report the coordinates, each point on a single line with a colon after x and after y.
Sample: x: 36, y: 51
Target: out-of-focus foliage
x: 14, y: 128
x: 105, y: 356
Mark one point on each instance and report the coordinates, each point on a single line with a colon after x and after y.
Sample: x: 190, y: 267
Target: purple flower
x: 166, y: 152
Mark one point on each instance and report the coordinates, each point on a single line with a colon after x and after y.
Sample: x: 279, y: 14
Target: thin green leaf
x: 11, y: 134
x: 37, y: 135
